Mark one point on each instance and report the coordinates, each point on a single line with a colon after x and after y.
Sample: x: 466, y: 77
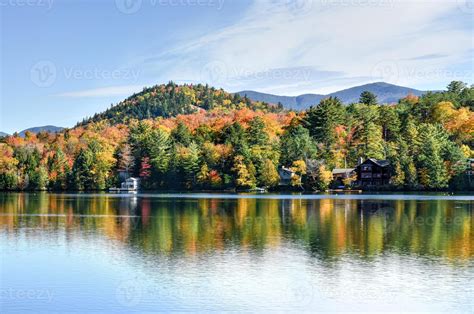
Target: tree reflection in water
x: 326, y: 228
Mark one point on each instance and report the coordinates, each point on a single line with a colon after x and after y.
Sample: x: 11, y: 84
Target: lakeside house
x: 373, y: 172
x: 129, y: 185
x: 470, y: 167
x: 470, y: 172
x: 286, y: 175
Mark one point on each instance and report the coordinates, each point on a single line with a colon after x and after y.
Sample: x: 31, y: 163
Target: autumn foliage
x: 198, y: 137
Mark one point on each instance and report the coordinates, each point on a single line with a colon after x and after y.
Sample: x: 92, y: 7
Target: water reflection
x: 326, y: 228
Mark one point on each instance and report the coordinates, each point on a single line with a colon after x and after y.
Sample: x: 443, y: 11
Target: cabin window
x: 366, y: 168
x: 366, y: 175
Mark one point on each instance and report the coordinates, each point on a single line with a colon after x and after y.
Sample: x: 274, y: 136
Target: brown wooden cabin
x: 373, y: 172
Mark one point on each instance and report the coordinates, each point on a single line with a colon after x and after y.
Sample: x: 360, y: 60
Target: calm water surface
x: 150, y: 252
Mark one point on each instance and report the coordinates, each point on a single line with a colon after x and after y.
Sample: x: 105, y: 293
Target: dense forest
x: 198, y: 137
x: 171, y: 100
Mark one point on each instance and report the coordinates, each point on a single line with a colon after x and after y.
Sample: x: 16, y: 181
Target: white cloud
x: 361, y: 40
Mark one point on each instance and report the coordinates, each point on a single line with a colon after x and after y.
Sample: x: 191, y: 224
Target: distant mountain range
x: 161, y: 96
x: 386, y: 93
x: 37, y: 129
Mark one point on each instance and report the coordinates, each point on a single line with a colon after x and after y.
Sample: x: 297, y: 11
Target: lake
x: 226, y: 252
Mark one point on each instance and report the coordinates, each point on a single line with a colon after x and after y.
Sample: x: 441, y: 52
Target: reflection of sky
x: 151, y: 254
x: 84, y: 273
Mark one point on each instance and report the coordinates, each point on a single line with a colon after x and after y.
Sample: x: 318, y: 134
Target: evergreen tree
x: 39, y: 179
x: 189, y: 162
x: 323, y: 119
x: 181, y: 134
x: 432, y: 171
x: 160, y: 154
x: 235, y: 135
x: 456, y: 87
x: 81, y: 171
x: 57, y: 165
x: 256, y: 133
x: 269, y: 176
x: 367, y: 98
x: 369, y: 132
x: 390, y: 122
x: 296, y: 144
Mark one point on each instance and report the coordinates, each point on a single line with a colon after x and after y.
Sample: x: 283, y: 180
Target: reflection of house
x: 285, y: 175
x: 130, y: 184
x: 341, y: 174
x: 373, y: 172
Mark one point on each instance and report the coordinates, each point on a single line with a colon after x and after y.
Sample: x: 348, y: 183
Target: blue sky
x: 63, y: 60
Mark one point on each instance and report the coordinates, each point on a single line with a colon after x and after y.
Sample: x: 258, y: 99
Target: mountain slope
x: 386, y: 93
x: 3, y: 134
x: 293, y: 102
x: 172, y: 99
x: 37, y: 129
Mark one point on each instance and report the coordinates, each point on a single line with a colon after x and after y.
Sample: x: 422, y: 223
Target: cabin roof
x: 342, y: 170
x: 379, y: 162
x: 286, y: 170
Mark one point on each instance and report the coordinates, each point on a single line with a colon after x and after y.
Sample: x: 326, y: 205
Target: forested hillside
x: 198, y: 137
x: 170, y: 100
